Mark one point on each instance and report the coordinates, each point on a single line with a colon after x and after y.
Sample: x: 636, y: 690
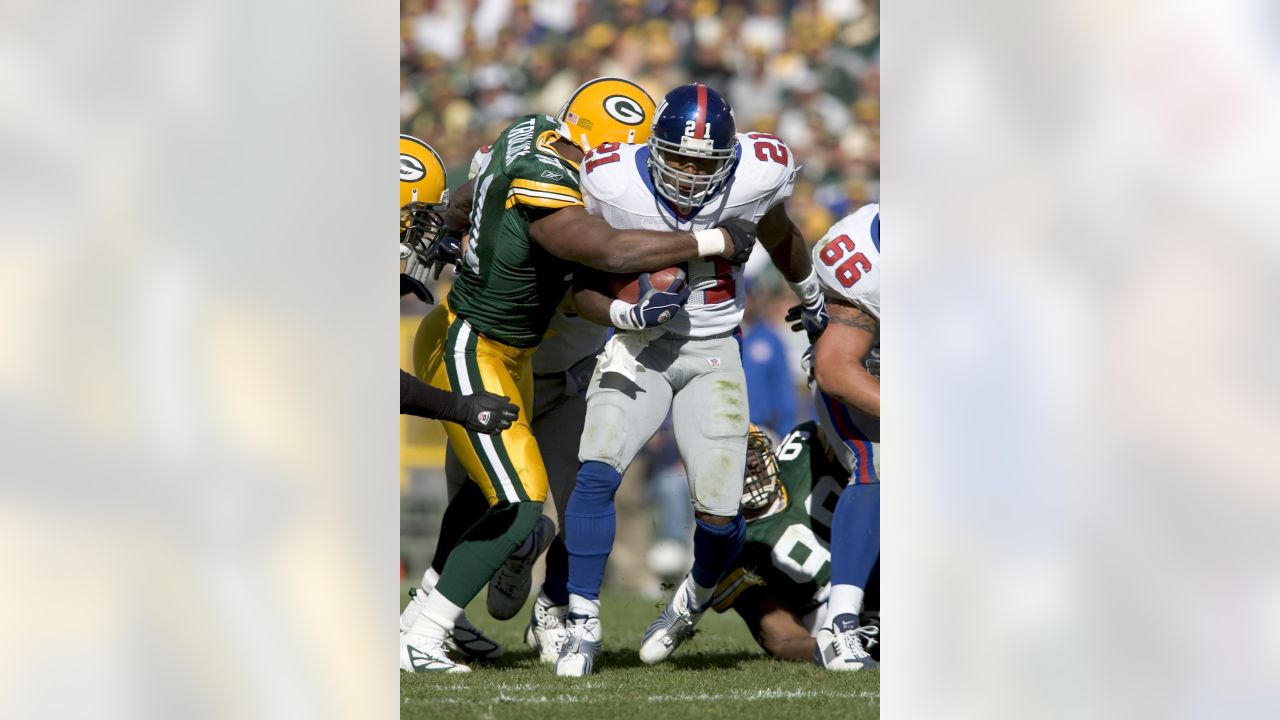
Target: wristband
x: 710, y: 242
x: 620, y: 315
x: 808, y: 289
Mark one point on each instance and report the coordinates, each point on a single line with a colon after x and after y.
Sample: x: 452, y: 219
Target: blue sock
x: 855, y: 535
x: 715, y: 547
x: 556, y: 582
x: 590, y: 525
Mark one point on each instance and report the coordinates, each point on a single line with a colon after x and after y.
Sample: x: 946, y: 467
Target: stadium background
x: 807, y: 71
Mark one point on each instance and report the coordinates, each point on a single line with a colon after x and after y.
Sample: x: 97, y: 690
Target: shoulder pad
x: 766, y: 166
x: 604, y: 178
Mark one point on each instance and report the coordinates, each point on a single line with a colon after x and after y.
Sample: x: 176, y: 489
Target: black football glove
x: 743, y: 234
x: 410, y: 285
x: 487, y: 413
x: 812, y: 319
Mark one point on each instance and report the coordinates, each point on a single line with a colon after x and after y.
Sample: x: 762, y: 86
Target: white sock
x: 437, y: 619
x: 429, y: 579
x: 701, y: 595
x: 579, y: 605
x: 844, y: 599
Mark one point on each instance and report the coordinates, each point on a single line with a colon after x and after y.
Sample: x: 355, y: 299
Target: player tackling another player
x: 529, y: 233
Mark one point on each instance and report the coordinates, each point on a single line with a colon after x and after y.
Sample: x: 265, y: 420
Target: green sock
x: 484, y: 547
x: 463, y: 511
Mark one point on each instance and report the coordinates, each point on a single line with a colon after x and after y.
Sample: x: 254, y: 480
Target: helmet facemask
x: 760, y: 487
x: 685, y: 189
x: 421, y: 226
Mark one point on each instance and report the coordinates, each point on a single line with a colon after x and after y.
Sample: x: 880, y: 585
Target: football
x: 626, y: 287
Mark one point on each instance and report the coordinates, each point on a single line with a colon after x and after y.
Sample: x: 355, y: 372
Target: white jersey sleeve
x: 847, y: 260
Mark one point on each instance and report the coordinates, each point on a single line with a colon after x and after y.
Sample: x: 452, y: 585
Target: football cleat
x: 871, y: 618
x: 547, y: 629
x: 673, y: 626
x: 840, y: 645
x: 421, y: 652
x: 580, y: 647
x: 509, y: 587
x: 467, y: 639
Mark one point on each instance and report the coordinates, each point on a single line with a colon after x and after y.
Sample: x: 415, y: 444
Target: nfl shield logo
x: 714, y: 362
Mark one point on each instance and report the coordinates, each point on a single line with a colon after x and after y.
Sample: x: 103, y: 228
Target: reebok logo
x: 552, y: 175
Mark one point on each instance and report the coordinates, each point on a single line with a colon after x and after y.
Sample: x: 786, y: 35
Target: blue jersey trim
x: 875, y: 231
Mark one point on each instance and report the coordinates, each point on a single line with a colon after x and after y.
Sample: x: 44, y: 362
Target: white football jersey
x: 847, y: 259
x: 617, y: 186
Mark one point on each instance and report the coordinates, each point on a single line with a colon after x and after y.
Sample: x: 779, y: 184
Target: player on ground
x: 781, y: 580
x: 846, y: 367
x: 423, y: 196
x: 529, y: 232
x: 695, y: 172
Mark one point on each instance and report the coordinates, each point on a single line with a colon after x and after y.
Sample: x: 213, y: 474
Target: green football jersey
x: 510, y: 286
x: 787, y: 553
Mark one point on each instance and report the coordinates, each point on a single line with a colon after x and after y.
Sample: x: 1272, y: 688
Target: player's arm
x: 776, y: 629
x: 838, y: 354
x: 653, y: 308
x: 457, y: 217
x: 482, y: 412
x: 785, y: 244
x: 574, y: 234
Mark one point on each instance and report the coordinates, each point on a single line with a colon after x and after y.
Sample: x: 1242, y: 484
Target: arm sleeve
x: 423, y: 400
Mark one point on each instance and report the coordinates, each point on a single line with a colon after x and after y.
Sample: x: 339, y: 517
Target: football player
x: 780, y: 582
x: 562, y: 368
x: 695, y: 172
x: 529, y: 232
x: 423, y: 195
x: 846, y: 370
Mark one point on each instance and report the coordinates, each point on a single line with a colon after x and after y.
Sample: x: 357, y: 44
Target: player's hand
x: 806, y: 363
x: 741, y: 235
x: 810, y: 317
x: 655, y: 307
x: 410, y: 285
x: 445, y: 251
x: 487, y: 413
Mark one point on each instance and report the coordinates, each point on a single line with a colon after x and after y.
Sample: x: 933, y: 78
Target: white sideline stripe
x: 464, y: 384
x: 769, y: 694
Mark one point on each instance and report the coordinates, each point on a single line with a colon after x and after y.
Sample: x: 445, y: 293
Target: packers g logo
x: 411, y: 169
x: 624, y: 109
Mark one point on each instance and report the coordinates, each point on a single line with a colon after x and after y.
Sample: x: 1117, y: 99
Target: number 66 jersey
x: 847, y: 260
x: 617, y: 186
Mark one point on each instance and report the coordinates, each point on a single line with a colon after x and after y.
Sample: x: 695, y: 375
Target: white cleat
x: 422, y: 655
x: 840, y: 645
x: 466, y: 639
x: 548, y: 627
x: 580, y: 647
x: 509, y: 587
x: 673, y: 626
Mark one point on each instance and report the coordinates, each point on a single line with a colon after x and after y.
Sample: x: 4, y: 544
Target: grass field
x: 719, y: 673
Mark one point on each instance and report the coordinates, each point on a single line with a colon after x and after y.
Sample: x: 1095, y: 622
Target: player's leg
x: 855, y: 541
x: 507, y: 467
x: 621, y: 417
x: 558, y: 428
x: 467, y: 504
x: 710, y: 421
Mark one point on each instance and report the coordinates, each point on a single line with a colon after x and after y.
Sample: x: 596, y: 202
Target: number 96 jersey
x: 787, y: 552
x: 847, y: 260
x: 617, y: 185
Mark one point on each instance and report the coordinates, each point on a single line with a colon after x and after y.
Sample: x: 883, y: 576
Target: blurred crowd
x: 805, y: 70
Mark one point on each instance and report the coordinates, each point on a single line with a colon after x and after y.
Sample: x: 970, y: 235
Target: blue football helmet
x: 694, y: 145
